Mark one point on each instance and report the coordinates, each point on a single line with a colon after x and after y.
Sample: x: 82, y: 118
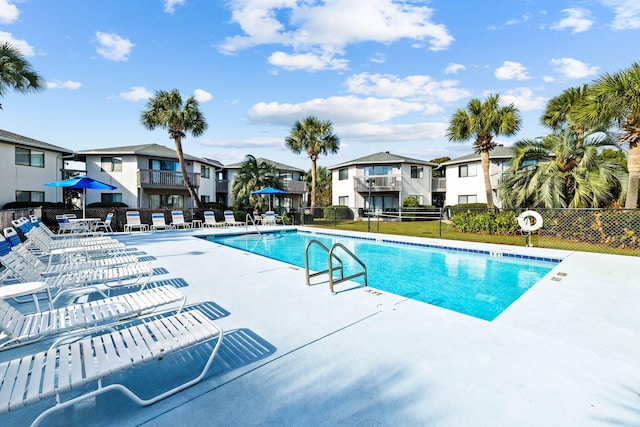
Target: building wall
x: 126, y: 180
x: 472, y: 185
x: 28, y: 178
x: 416, y: 186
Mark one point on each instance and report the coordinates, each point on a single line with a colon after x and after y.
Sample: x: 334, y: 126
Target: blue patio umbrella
x: 268, y: 191
x: 83, y: 182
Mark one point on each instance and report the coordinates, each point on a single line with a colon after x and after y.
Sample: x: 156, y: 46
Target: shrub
x: 107, y: 205
x: 410, y: 202
x: 485, y: 222
x: 22, y: 205
x: 338, y: 212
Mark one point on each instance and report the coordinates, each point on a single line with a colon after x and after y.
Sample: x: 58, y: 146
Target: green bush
x: 338, y: 212
x: 410, y: 202
x: 486, y: 222
x: 214, y: 205
x: 107, y: 205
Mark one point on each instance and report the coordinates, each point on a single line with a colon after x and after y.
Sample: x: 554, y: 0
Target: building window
x: 466, y: 170
x: 27, y: 157
x: 285, y: 176
x: 166, y: 201
x: 111, y: 197
x: 205, y: 171
x: 164, y: 165
x: 343, y: 200
x: 378, y: 170
x: 343, y: 174
x: 111, y: 164
x: 205, y: 199
x: 463, y: 200
x: 417, y: 172
x: 29, y: 196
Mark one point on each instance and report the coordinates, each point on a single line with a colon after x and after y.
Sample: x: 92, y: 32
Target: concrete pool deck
x: 564, y: 354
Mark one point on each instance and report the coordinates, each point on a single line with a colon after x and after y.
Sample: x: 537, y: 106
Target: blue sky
x: 388, y: 74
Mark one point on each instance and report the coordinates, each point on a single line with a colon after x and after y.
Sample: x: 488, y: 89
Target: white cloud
x: 511, y: 71
x: 627, y: 14
x: 137, y: 93
x: 170, y: 5
x: 113, y: 47
x: 373, y: 132
x: 417, y: 87
x: 378, y: 58
x: 253, y: 143
x: 9, y: 13
x: 454, y: 68
x: 572, y: 68
x: 578, y: 20
x: 328, y: 27
x: 524, y: 18
x: 523, y: 98
x: 306, y: 61
x: 202, y: 95
x: 21, y: 45
x: 57, y: 84
x: 548, y: 79
x: 338, y: 109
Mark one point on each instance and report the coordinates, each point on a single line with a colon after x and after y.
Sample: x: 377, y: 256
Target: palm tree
x: 323, y: 185
x: 166, y: 110
x: 484, y: 120
x: 614, y: 99
x: 315, y: 137
x: 253, y: 175
x: 560, y: 113
x: 562, y: 170
x: 16, y: 72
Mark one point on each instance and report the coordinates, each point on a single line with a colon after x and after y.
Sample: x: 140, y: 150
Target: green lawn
x: 434, y: 229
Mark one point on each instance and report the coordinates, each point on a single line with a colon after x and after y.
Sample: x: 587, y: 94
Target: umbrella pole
x: 84, y: 202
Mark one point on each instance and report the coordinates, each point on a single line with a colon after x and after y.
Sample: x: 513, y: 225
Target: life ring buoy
x: 524, y: 221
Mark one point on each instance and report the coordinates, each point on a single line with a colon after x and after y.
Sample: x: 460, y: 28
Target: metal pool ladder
x: 330, y: 257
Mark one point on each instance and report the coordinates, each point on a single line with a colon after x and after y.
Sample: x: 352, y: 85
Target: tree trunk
x: 313, y: 185
x: 484, y: 157
x: 194, y: 197
x: 633, y: 165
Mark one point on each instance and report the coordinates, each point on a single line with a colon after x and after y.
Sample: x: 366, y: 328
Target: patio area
x: 564, y: 354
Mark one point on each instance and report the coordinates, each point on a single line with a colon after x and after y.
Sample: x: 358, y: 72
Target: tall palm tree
x: 166, y: 110
x: 561, y: 170
x: 315, y: 137
x: 16, y: 72
x: 323, y: 185
x: 253, y: 175
x: 614, y: 100
x: 560, y: 112
x: 483, y: 120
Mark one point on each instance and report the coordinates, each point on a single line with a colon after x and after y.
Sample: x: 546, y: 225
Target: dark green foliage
x: 107, y: 205
x: 410, y: 202
x: 338, y: 212
x: 22, y: 205
x: 486, y: 222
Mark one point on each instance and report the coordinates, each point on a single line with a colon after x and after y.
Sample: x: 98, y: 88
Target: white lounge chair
x: 134, y: 223
x: 67, y: 265
x: 230, y: 219
x: 54, y: 372
x: 158, y: 222
x: 177, y: 220
x: 104, y: 225
x: 18, y: 328
x: 270, y: 218
x: 210, y: 220
x: 98, y: 279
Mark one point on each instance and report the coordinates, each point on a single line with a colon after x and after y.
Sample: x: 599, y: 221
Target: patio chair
x: 72, y: 264
x: 104, y: 225
x: 134, y: 223
x: 230, y: 219
x: 19, y: 328
x: 177, y: 220
x: 65, y: 226
x: 71, y: 367
x: 91, y: 279
x: 158, y: 222
x: 210, y: 220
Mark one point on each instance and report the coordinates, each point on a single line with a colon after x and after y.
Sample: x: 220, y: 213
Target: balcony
x: 222, y: 186
x: 378, y: 183
x: 439, y: 185
x: 149, y: 178
x: 294, y: 187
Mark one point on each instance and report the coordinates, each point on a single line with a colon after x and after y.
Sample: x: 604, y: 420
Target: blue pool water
x: 476, y: 284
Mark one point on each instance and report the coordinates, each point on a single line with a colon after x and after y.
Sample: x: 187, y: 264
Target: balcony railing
x: 165, y: 179
x: 222, y: 186
x: 378, y: 183
x: 439, y: 184
x: 295, y: 187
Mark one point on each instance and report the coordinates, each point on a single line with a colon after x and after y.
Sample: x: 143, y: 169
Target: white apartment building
x: 148, y: 176
x: 26, y: 164
x: 381, y: 182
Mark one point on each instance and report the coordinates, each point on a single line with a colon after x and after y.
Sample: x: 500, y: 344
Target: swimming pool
x: 470, y: 282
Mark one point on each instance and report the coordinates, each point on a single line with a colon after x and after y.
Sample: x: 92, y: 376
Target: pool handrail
x: 330, y: 256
